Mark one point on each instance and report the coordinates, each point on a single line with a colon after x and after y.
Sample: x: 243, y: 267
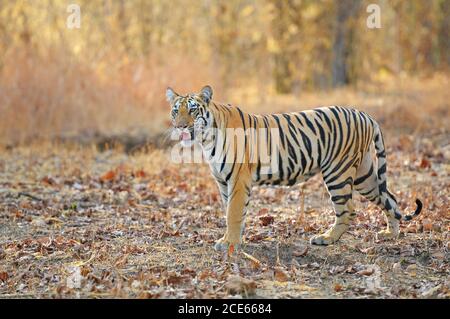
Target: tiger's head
x: 190, y: 115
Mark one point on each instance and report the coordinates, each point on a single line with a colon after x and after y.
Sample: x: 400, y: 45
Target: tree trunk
x: 343, y: 40
x: 287, y: 15
x: 282, y: 74
x: 145, y: 16
x: 443, y: 36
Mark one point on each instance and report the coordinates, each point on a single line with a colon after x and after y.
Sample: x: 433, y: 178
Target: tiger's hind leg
x: 366, y: 184
x: 340, y: 189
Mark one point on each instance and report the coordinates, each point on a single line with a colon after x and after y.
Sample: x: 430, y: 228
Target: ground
x: 79, y: 222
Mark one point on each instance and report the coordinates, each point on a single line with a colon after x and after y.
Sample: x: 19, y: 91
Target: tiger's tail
x: 386, y: 197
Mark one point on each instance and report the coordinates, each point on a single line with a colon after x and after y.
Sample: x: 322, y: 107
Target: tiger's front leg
x: 238, y: 196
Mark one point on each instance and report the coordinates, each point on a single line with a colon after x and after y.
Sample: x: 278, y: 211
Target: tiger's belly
x: 277, y: 179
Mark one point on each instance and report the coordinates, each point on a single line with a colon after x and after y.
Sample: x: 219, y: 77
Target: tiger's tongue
x: 185, y: 136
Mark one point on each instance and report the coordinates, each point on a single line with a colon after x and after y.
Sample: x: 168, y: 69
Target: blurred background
x: 108, y: 77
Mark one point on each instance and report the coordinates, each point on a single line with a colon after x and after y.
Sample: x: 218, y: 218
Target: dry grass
x: 44, y: 97
x: 56, y: 95
x: 403, y: 105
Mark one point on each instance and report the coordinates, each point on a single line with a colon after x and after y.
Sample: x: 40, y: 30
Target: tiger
x: 343, y: 144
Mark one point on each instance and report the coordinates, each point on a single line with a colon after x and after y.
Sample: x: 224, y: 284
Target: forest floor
x: 85, y: 221
x: 77, y: 222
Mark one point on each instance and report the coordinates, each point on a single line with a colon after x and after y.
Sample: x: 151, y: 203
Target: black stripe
x: 307, y: 142
x: 308, y: 122
x: 258, y: 170
x: 321, y: 131
x: 292, y: 129
x: 280, y: 166
x: 327, y: 120
x: 382, y: 187
x: 279, y: 128
x: 367, y: 193
x: 341, y: 199
x: 349, y: 181
x: 387, y: 205
x: 381, y: 154
x: 382, y: 170
x: 243, y: 124
x: 363, y: 178
x: 341, y: 135
x: 338, y: 171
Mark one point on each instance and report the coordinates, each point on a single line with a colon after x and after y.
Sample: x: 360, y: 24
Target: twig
x: 300, y: 218
x: 256, y: 261
x: 30, y: 196
x: 278, y: 254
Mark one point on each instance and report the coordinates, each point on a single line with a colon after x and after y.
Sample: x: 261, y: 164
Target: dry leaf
x: 366, y: 272
x: 255, y: 262
x: 266, y: 220
x: 397, y: 267
x: 280, y: 274
x: 4, y: 276
x: 204, y: 274
x: 432, y: 292
x: 368, y: 250
x: 412, y: 270
x: 424, y: 163
x: 300, y: 252
x: 338, y: 287
x: 175, y: 279
x: 108, y: 176
x: 140, y: 173
x: 48, y: 180
x: 427, y: 225
x: 239, y: 285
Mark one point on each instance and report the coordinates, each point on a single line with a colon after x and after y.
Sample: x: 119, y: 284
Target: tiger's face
x: 189, y: 113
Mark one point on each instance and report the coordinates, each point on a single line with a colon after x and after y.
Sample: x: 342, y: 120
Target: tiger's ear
x: 206, y: 94
x: 170, y: 95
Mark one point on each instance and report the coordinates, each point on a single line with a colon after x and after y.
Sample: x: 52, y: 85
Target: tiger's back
x: 312, y: 141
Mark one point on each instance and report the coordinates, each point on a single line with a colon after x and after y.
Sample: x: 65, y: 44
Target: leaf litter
x: 76, y: 222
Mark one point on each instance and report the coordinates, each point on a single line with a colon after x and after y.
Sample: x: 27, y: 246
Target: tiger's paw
x: 224, y: 244
x: 323, y: 240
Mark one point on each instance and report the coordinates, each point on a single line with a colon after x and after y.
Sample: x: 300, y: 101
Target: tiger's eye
x: 192, y: 105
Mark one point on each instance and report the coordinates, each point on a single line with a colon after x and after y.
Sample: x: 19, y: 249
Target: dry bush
x: 402, y: 105
x: 55, y: 94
